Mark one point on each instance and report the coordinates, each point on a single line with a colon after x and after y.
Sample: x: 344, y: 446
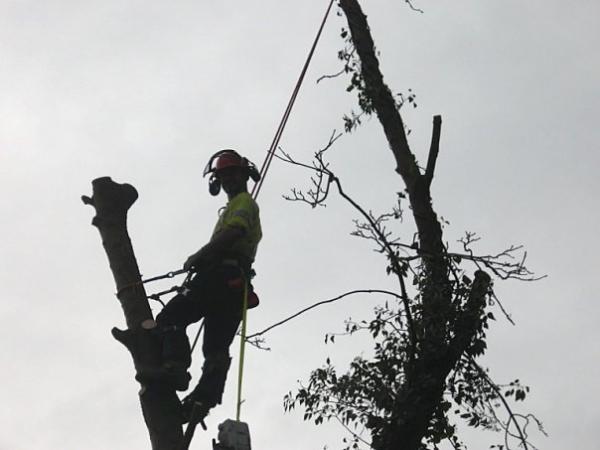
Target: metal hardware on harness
x: 149, y: 280
x: 166, y: 275
x: 158, y: 295
x: 233, y: 435
x: 173, y: 289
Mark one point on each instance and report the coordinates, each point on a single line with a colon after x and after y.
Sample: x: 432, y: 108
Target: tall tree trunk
x: 160, y: 405
x: 426, y: 374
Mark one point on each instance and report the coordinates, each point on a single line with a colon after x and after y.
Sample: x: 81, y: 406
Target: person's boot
x: 177, y: 375
x: 193, y: 408
x: 172, y: 371
x: 176, y: 356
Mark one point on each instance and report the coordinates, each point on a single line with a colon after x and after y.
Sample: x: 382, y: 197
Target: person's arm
x: 217, y: 246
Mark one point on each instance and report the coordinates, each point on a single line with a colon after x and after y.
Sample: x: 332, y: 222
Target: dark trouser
x: 217, y: 296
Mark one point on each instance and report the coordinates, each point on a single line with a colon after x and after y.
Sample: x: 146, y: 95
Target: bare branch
x: 257, y: 342
x: 339, y: 297
x: 506, y: 314
x: 335, y: 75
x: 411, y: 6
x: 503, y: 264
x: 321, y: 182
x: 434, y: 149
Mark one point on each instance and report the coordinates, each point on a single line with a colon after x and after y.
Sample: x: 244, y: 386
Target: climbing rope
x: 271, y: 152
x: 255, y: 191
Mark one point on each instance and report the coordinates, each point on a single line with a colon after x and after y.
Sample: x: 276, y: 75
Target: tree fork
x: 160, y: 404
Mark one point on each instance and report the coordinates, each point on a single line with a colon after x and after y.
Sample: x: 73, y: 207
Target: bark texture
x: 436, y: 355
x: 160, y: 405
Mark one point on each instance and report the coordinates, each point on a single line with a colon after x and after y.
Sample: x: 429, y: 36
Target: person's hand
x: 198, y: 258
x: 190, y: 262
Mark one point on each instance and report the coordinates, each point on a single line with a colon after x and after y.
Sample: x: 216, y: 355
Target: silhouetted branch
x: 319, y: 192
x: 521, y: 434
x: 258, y: 342
x: 393, y: 260
x: 434, y: 149
x: 409, y: 3
x: 323, y: 302
x: 335, y: 75
x: 503, y: 264
x: 506, y: 314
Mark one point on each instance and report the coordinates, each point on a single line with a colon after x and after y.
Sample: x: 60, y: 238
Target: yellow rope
x: 242, y: 349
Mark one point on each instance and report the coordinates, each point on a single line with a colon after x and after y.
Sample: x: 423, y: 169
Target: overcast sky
x: 145, y: 91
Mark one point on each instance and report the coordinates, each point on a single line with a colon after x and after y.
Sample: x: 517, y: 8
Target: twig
x: 409, y: 2
x: 335, y: 75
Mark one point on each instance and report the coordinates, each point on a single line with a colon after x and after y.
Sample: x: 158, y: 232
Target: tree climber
x: 222, y: 270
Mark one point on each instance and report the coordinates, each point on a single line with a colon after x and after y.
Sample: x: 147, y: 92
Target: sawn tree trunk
x: 160, y: 404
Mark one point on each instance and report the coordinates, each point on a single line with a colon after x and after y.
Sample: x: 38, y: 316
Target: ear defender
x: 253, y: 172
x: 214, y: 185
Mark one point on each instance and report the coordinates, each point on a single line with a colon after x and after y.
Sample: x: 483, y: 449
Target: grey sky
x: 146, y: 91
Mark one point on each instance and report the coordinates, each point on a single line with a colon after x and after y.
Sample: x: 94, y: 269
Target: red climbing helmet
x: 229, y: 159
x: 224, y: 159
